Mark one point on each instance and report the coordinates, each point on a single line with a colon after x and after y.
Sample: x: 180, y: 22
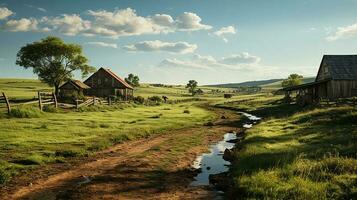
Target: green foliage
x: 133, y: 80
x: 53, y: 60
x: 25, y: 113
x: 139, y: 100
x: 292, y: 80
x: 4, y: 176
x: 71, y: 97
x: 191, y: 86
x: 50, y: 109
x: 156, y: 99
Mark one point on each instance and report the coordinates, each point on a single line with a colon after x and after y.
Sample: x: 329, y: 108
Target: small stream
x: 213, y: 162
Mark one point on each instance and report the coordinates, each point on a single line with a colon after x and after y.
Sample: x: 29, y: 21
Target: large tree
x: 53, y: 60
x: 292, y: 80
x: 191, y: 86
x: 133, y: 80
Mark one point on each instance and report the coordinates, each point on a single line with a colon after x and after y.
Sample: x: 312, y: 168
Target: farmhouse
x: 104, y: 83
x: 336, y: 78
x: 73, y: 87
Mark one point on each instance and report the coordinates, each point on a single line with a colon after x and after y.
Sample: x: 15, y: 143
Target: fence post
x: 76, y: 103
x: 55, y: 99
x: 7, y: 103
x: 93, y: 100
x: 39, y: 100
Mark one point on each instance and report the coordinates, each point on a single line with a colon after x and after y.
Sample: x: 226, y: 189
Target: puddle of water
x: 212, y: 163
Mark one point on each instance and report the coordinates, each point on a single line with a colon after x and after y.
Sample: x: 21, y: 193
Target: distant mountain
x: 246, y: 84
x: 271, y: 83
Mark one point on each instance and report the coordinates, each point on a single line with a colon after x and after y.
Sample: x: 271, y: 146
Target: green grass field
x: 296, y: 153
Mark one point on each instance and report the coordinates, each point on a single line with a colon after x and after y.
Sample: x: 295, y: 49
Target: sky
x: 173, y: 41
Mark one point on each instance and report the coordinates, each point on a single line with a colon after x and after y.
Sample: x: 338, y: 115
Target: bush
x: 71, y: 97
x: 156, y: 99
x: 186, y: 111
x: 25, y: 113
x: 50, y: 109
x: 4, y: 176
x: 139, y: 100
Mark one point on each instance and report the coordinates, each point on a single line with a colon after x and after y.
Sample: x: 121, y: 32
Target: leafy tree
x: 292, y: 80
x: 133, y: 80
x: 53, y: 60
x: 191, y: 86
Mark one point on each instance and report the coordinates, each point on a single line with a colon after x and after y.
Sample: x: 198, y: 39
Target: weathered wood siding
x: 323, y: 73
x: 342, y: 88
x: 69, y: 88
x: 103, y: 85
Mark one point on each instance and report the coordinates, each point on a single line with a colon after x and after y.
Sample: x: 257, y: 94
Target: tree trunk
x: 57, y: 90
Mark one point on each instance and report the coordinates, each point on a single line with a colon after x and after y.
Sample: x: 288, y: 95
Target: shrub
x: 50, y: 109
x: 155, y: 99
x: 4, y: 176
x: 186, y: 111
x: 139, y: 99
x: 71, y: 97
x: 25, y: 113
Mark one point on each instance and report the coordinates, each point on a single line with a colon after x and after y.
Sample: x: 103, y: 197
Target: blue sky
x: 166, y: 41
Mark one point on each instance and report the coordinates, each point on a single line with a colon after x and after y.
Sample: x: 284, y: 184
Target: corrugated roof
x: 341, y: 67
x: 80, y: 84
x: 76, y: 83
x: 118, y: 78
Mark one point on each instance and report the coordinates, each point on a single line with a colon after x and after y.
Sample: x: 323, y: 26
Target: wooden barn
x: 73, y: 87
x: 105, y: 83
x: 336, y: 78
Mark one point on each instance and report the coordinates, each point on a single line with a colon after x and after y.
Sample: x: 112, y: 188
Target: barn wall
x: 101, y: 79
x: 342, y: 88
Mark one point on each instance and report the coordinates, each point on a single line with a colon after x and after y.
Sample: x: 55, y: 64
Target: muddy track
x: 126, y: 171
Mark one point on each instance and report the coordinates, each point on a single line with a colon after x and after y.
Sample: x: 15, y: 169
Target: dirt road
x: 153, y: 168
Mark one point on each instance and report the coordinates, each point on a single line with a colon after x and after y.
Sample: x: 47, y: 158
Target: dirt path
x: 154, y: 168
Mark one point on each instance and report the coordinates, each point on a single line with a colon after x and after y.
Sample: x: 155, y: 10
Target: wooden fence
x: 4, y: 102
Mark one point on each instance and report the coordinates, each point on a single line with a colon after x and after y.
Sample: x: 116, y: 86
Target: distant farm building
x: 73, y: 87
x: 336, y: 78
x: 104, y: 83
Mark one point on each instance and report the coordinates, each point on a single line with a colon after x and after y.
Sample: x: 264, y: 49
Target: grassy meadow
x: 296, y: 153
x: 53, y: 135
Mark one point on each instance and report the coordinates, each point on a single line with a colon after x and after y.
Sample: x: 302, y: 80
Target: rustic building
x: 104, y: 83
x: 73, y: 87
x: 336, y: 78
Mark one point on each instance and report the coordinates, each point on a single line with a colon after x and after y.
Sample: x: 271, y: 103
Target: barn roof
x: 76, y: 83
x: 118, y: 78
x: 341, y: 67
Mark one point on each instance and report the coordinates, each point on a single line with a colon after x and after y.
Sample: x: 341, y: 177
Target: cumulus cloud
x: 21, y: 25
x: 343, y: 32
x: 229, y: 30
x: 242, y: 61
x: 121, y: 22
x: 5, y: 12
x: 66, y: 24
x: 103, y: 44
x: 157, y: 45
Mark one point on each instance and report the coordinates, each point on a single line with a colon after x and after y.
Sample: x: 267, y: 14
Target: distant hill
x: 246, y: 84
x: 269, y: 84
x: 277, y: 84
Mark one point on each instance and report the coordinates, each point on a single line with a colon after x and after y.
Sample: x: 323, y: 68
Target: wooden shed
x: 336, y: 78
x: 104, y: 83
x: 73, y: 87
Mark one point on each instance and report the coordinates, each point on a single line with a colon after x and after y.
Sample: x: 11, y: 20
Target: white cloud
x: 66, y: 24
x: 343, y: 32
x: 103, y: 44
x: 190, y: 22
x: 5, y: 12
x: 21, y: 25
x: 124, y: 22
x: 229, y: 30
x: 157, y: 45
x: 38, y: 8
x: 243, y: 61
